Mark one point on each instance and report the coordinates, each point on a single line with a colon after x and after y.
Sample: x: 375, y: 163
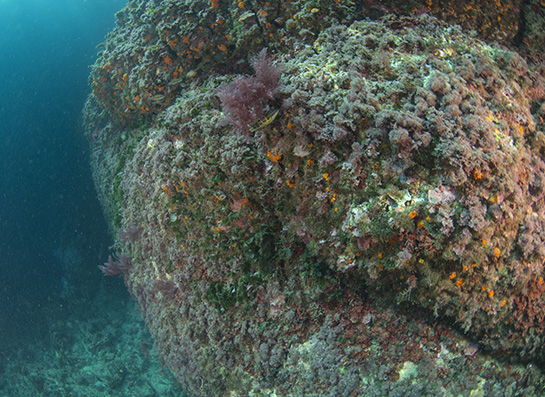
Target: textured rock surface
x: 400, y: 171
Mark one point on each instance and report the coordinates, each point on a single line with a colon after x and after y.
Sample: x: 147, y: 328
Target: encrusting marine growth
x: 279, y: 218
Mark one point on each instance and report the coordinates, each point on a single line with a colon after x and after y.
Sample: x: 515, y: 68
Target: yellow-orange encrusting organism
x: 497, y: 252
x: 274, y: 156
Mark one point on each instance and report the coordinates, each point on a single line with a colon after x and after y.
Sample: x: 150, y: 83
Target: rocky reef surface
x: 357, y: 209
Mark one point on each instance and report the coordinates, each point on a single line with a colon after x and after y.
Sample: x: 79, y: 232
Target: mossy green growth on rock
x: 404, y: 165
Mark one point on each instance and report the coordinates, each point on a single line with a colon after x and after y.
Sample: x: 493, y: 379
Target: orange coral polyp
x: 274, y: 156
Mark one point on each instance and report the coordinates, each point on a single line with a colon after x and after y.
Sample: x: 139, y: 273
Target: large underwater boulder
x: 297, y: 229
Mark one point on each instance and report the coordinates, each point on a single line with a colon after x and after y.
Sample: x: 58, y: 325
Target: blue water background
x: 50, y: 218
